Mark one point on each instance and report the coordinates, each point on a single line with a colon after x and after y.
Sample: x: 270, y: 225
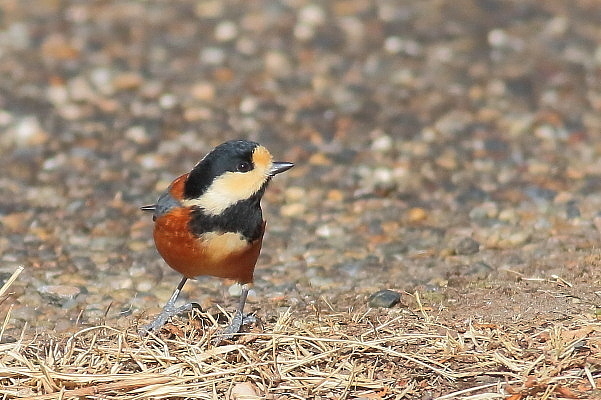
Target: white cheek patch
x: 232, y: 187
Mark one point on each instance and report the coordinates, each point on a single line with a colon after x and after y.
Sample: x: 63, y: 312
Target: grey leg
x: 238, y: 319
x: 168, y: 311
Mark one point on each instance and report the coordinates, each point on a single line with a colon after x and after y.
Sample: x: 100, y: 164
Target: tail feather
x: 149, y: 208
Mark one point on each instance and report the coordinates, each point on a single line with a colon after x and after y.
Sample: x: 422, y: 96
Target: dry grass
x: 391, y: 354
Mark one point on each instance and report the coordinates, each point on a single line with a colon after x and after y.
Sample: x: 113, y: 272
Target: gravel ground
x: 448, y: 148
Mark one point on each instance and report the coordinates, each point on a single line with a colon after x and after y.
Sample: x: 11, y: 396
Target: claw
x: 238, y: 320
x: 168, y: 311
x: 161, y: 319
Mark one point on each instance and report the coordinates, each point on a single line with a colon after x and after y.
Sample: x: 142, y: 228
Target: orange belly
x: 226, y: 255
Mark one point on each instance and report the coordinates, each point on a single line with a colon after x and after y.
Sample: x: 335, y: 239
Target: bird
x: 209, y: 222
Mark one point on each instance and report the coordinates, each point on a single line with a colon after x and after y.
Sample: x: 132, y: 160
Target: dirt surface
x: 448, y: 151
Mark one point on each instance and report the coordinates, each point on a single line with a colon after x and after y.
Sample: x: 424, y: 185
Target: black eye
x: 244, y: 166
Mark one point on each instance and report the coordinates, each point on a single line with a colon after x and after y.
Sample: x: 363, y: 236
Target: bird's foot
x: 168, y: 311
x: 234, y: 327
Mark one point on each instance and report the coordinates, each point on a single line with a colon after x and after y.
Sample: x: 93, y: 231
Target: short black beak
x: 280, y: 166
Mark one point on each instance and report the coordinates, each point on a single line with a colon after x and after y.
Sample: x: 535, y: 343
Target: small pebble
x: 479, y: 270
x: 226, y: 31
x: 80, y: 89
x: 137, y: 134
x: 57, y: 47
x: 204, y: 91
x: 293, y: 209
x: 249, y: 105
x: 235, y: 290
x: 539, y: 194
x: 472, y: 195
x: 277, y: 63
x: 312, y: 14
x: 485, y: 210
x: 127, y: 81
x: 15, y: 222
x: 59, y: 295
x: 137, y: 245
x: 244, y: 391
x: 383, y: 143
x: 572, y: 210
x: 319, y: 159
x: 518, y: 238
x: 416, y: 214
x: 322, y: 282
x: 326, y: 231
x: 144, y: 285
x: 295, y: 193
x: 384, y: 299
x: 466, y: 246
x: 335, y: 195
x: 509, y: 215
x: 168, y: 101
x: 27, y: 132
x: 212, y: 56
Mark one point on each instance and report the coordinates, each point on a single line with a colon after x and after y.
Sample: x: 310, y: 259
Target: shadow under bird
x: 209, y: 222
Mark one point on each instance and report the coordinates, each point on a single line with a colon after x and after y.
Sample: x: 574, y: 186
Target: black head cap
x: 227, y: 156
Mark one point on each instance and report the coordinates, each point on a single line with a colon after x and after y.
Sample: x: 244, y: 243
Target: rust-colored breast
x: 177, y: 187
x: 226, y: 255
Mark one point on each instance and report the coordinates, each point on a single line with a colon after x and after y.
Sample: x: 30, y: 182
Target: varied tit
x: 209, y: 221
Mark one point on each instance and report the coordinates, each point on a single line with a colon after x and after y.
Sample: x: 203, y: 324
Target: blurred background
x: 446, y: 147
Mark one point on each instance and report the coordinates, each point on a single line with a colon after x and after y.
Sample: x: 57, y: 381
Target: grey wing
x: 165, y: 203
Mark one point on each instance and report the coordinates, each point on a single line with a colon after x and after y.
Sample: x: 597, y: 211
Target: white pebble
x: 244, y: 391
x: 248, y: 105
x: 137, y: 134
x: 303, y: 32
x: 393, y: 44
x: 168, y: 101
x: 382, y: 143
x: 102, y: 80
x: 57, y: 94
x: 28, y: 131
x: 5, y: 118
x: 212, y: 56
x: 312, y: 14
x: 383, y: 175
x: 277, y: 63
x: 226, y: 31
